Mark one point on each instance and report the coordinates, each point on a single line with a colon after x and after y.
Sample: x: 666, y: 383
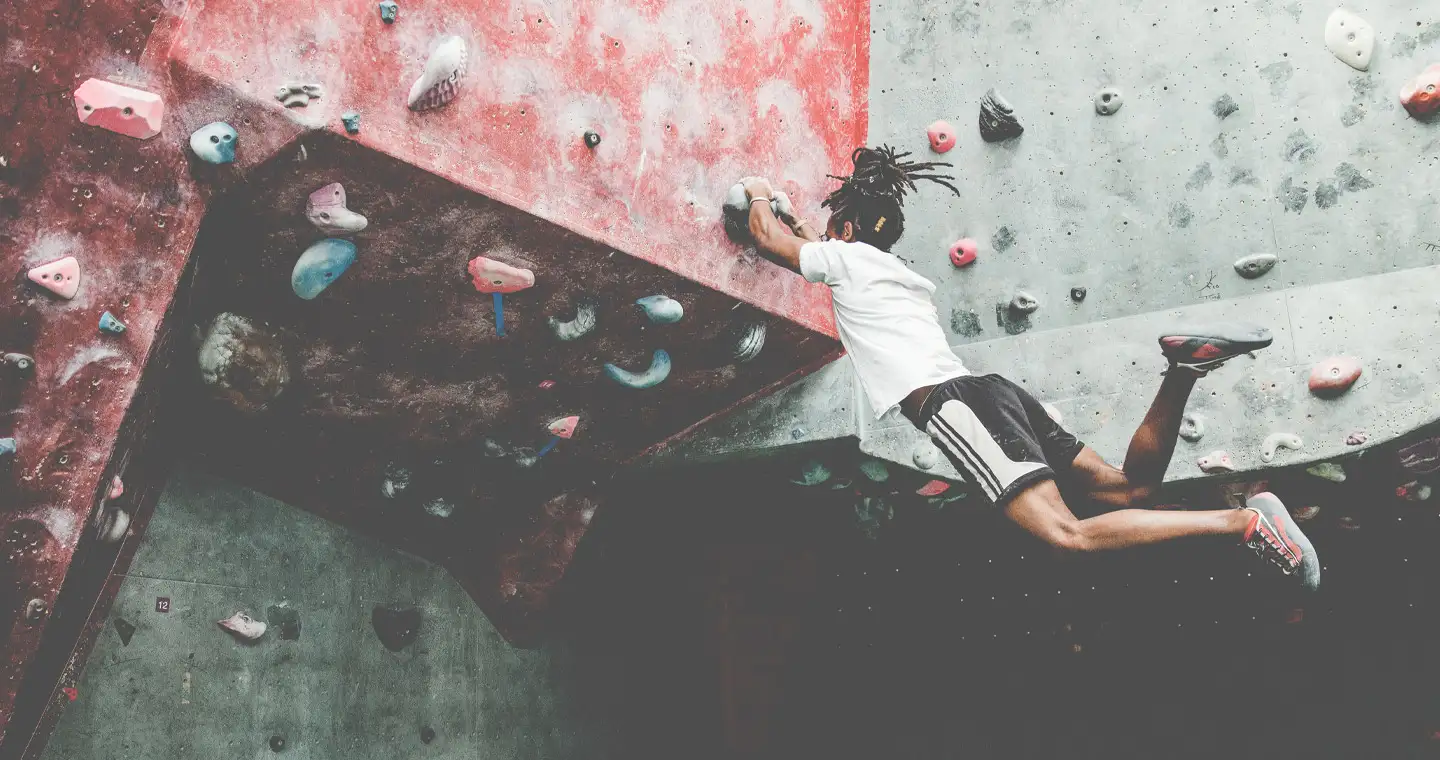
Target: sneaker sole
x: 1213, y: 342
x: 1308, y: 574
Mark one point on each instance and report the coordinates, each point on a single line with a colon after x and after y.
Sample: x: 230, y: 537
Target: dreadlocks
x: 872, y: 196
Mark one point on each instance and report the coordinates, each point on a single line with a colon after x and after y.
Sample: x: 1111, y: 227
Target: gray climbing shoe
x: 1276, y: 537
x: 1203, y: 348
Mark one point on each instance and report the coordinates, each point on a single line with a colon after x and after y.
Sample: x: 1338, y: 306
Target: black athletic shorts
x: 996, y: 434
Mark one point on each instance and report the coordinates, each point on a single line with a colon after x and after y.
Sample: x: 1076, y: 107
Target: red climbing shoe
x: 1275, y: 537
x: 1202, y: 349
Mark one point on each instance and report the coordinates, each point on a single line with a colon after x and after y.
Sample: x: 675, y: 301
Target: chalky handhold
x: 812, y: 473
x: 925, y: 456
x: 657, y: 372
x: 298, y: 94
x: 997, y: 118
x: 592, y: 138
x: 7, y: 447
x: 1023, y: 303
x: 1192, y: 427
x: 1108, y: 101
x: 933, y: 488
x: 215, y: 143
x: 351, y: 120
x: 117, y: 488
x: 963, y: 252
x: 749, y: 341
x: 875, y: 470
x: 114, y: 525
x: 1276, y: 441
x: 326, y: 209
x: 736, y: 212
x: 438, y: 507
x: 1334, y: 375
x: 1327, y: 471
x: 1255, y: 265
x: 1421, y: 95
x: 320, y: 265
x: 59, y: 277
x: 18, y: 362
x: 661, y: 310
x: 388, y: 11
x: 120, y: 109
x: 1305, y: 514
x: 1357, y: 438
x: 942, y: 136
x: 440, y: 81
x: 1350, y: 38
x: 109, y: 324
x: 244, y: 627
x: 1216, y: 461
x: 491, y: 276
x: 584, y: 321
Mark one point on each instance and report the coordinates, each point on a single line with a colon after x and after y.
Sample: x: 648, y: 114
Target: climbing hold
x: 1255, y: 265
x: 394, y: 481
x: 113, y: 526
x: 584, y: 321
x: 942, y: 136
x: 320, y: 265
x: 662, y: 310
x: 241, y: 363
x: 875, y: 470
x: 351, y: 120
x: 1413, y: 491
x: 7, y: 447
x: 1053, y: 412
x: 997, y: 118
x: 1350, y: 38
x: 117, y: 488
x: 750, y: 339
x: 592, y: 138
x: 120, y: 109
x: 657, y: 372
x: 439, y: 507
x: 388, y: 11
x: 491, y: 276
x: 1421, y: 95
x: 18, y: 362
x: 297, y: 94
x: 1327, y: 471
x: 1302, y: 514
x: 243, y: 626
x: 125, y: 629
x: 1357, y: 438
x: 560, y: 429
x: 1023, y: 303
x: 1077, y: 294
x: 215, y: 143
x: 326, y: 210
x: 933, y: 488
x: 963, y: 252
x: 59, y: 277
x: 427, y: 735
x: 925, y: 456
x: 277, y: 743
x: 396, y: 627
x: 109, y: 324
x: 1216, y: 461
x: 1276, y: 441
x: 1334, y: 375
x: 440, y: 81
x: 736, y: 211
x: 1192, y: 427
x: 1420, y: 458
x: 1108, y: 101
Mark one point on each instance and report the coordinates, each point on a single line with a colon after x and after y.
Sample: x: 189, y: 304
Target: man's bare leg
x: 1041, y: 511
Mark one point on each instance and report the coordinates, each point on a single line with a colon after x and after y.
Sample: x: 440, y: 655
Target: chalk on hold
x: 749, y: 341
x: 215, y: 143
x: 1216, y: 461
x: 963, y: 252
x: 7, y: 447
x: 244, y: 627
x: 327, y: 210
x: 736, y: 212
x: 298, y: 94
x: 592, y: 138
x: 812, y: 473
x: 875, y: 470
x: 933, y: 488
x: 942, y: 136
x: 1192, y: 427
x: 1421, y: 95
x: 1023, y: 303
x: 120, y: 109
x: 1276, y: 441
x: 109, y: 324
x: 1357, y: 438
x: 389, y: 10
x: 440, y: 81
x: 1350, y: 38
x: 1413, y: 491
x: 1255, y: 265
x: 18, y: 362
x: 1327, y: 471
x: 661, y: 309
x: 320, y: 265
x: 997, y: 118
x: 351, y: 120
x: 1077, y: 294
x: 925, y: 456
x: 59, y: 277
x: 1334, y: 375
x: 114, y: 524
x: 1108, y: 101
x: 654, y: 375
x: 491, y: 276
x: 584, y: 321
x: 1305, y: 514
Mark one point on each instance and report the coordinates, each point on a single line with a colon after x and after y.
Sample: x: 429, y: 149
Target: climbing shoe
x: 1204, y: 348
x: 1274, y: 536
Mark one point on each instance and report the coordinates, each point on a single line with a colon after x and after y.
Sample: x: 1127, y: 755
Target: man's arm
x: 771, y: 237
x: 1150, y: 450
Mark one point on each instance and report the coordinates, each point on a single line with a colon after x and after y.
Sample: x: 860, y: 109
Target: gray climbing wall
x: 183, y: 687
x: 1239, y: 134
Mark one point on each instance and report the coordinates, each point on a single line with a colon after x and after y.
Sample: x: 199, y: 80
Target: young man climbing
x: 992, y: 430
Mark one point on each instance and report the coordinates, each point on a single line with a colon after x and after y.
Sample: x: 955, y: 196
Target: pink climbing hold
x: 491, y: 276
x: 942, y: 136
x: 1421, y: 95
x: 1334, y: 375
x: 963, y: 252
x: 1216, y: 461
x: 546, y: 385
x: 120, y: 109
x: 564, y: 427
x: 117, y: 488
x: 59, y: 277
x: 1305, y: 514
x: 933, y: 488
x: 1357, y: 438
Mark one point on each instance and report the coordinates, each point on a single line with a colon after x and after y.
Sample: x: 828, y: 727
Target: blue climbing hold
x: 215, y: 142
x: 655, y: 375
x: 320, y: 265
x: 7, y: 447
x: 662, y: 310
x: 109, y: 324
x: 351, y: 120
x: 388, y: 11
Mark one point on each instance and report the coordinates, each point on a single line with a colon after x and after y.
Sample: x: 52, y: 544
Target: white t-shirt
x: 887, y: 322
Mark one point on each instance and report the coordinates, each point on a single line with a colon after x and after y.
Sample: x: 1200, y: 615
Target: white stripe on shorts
x: 972, y: 449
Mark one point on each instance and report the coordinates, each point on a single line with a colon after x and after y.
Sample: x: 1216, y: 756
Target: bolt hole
x: 215, y: 139
x: 127, y: 110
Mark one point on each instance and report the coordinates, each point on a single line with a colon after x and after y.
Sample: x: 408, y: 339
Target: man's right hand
x: 757, y: 187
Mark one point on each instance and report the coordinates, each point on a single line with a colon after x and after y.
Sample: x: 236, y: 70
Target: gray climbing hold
x: 1350, y: 38
x: 997, y: 118
x: 1023, y: 303
x: 875, y: 470
x: 812, y: 473
x: 592, y: 138
x: 577, y: 328
x: 297, y: 94
x: 1327, y: 471
x: 925, y: 456
x: 1255, y: 265
x: 1224, y: 106
x: 1192, y: 427
x: 1108, y: 101
x: 658, y: 370
x: 215, y: 143
x: 1077, y: 294
x: 661, y: 310
x: 1276, y: 441
x: 351, y: 120
x: 389, y: 10
x: 749, y: 340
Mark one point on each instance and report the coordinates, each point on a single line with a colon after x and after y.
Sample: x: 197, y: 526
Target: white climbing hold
x: 114, y: 524
x: 1327, y: 471
x: 1023, y: 303
x: 1216, y: 461
x: 926, y: 456
x: 1350, y: 38
x: 297, y: 94
x: 1276, y: 441
x: 1108, y: 101
x: 1192, y: 427
x: 875, y: 470
x: 1254, y: 266
x: 440, y: 81
x: 243, y: 626
x: 327, y: 210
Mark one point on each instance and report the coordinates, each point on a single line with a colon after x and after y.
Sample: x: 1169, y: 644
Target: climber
x: 993, y: 431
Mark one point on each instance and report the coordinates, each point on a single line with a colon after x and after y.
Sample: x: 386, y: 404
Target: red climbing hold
x: 1421, y: 95
x: 117, y: 488
x: 942, y: 136
x: 71, y: 693
x: 1334, y: 375
x: 963, y: 252
x: 564, y: 427
x: 59, y: 277
x: 933, y: 488
x: 491, y: 276
x: 120, y: 109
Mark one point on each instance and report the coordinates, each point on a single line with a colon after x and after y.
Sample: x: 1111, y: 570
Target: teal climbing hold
x: 320, y: 265
x: 388, y: 11
x: 351, y: 120
x: 657, y: 372
x: 812, y: 473
x: 7, y: 447
x: 215, y: 143
x: 109, y: 324
x: 662, y: 310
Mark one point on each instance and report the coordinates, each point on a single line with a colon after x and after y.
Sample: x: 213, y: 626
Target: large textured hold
x: 297, y: 94
x: 1255, y: 265
x: 1327, y: 471
x: 1276, y: 441
x: 1350, y: 38
x: 1108, y: 101
x: 241, y: 363
x: 244, y: 627
x: 1023, y: 303
x: 320, y: 265
x: 586, y: 309
x: 113, y: 527
x: 564, y: 427
x: 812, y: 473
x: 654, y: 375
x: 749, y: 340
x: 327, y: 210
x: 59, y: 277
x: 1216, y: 461
x: 736, y: 211
x: 1334, y: 375
x: 215, y: 143
x: 491, y: 276
x: 1192, y: 427
x: 1421, y: 95
x: 440, y: 81
x: 942, y: 136
x: 997, y: 118
x: 661, y: 310
x: 120, y: 109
